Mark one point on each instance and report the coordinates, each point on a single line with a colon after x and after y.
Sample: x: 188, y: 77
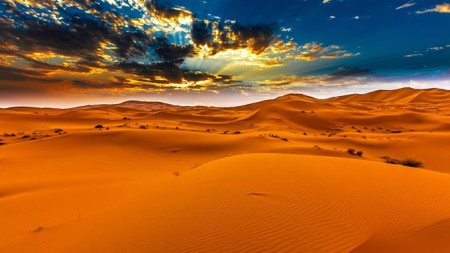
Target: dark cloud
x: 96, y: 85
x: 170, y: 71
x: 82, y: 30
x: 165, y: 11
x: 21, y: 82
x: 4, y: 70
x: 233, y: 36
x: 171, y: 53
x: 17, y: 74
x: 345, y: 72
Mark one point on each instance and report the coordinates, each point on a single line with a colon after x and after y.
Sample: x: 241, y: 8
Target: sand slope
x: 431, y: 239
x: 258, y: 203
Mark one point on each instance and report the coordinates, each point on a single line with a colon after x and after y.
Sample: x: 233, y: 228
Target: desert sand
x: 273, y: 176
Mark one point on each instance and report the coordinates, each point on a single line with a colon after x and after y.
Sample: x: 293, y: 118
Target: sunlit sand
x: 293, y: 174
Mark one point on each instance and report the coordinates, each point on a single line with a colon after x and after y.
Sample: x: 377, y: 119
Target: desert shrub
x: 387, y: 159
x: 412, y: 163
x: 143, y: 126
x: 406, y: 162
x: 99, y: 126
x: 237, y: 132
x: 352, y: 151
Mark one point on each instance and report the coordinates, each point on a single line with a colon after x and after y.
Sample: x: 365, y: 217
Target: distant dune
x: 292, y: 174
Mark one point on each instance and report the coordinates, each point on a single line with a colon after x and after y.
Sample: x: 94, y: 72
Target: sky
x: 63, y: 53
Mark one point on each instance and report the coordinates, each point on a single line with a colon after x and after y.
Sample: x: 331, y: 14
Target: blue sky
x: 217, y: 52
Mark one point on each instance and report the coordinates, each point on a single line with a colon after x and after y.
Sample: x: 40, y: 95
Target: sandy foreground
x: 274, y: 176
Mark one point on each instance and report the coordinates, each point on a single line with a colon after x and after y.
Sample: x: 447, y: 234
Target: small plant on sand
x: 99, y: 126
x: 406, y: 162
x: 143, y: 127
x: 58, y: 131
x: 351, y: 151
x: 412, y: 163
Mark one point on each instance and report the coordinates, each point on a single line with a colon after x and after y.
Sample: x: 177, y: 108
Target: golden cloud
x: 440, y: 8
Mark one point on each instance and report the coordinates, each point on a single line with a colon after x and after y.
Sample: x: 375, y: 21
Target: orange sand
x: 273, y: 176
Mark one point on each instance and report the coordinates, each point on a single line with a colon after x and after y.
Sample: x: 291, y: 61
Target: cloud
x: 413, y: 55
x: 435, y: 49
x: 345, y: 72
x: 428, y: 50
x: 342, y: 76
x: 406, y: 5
x: 313, y: 51
x: 11, y: 74
x: 440, y: 8
x: 63, y: 37
x: 219, y: 36
x: 136, y: 45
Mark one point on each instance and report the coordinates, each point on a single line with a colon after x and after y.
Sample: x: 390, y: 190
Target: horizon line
x: 211, y: 106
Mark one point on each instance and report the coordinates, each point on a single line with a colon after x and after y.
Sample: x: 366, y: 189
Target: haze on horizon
x: 203, y: 52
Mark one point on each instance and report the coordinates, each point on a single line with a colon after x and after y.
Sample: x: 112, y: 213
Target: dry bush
x: 409, y: 162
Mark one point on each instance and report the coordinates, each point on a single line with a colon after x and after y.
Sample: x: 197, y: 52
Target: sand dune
x: 400, y: 96
x: 432, y: 239
x: 254, y: 203
x: 273, y: 176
